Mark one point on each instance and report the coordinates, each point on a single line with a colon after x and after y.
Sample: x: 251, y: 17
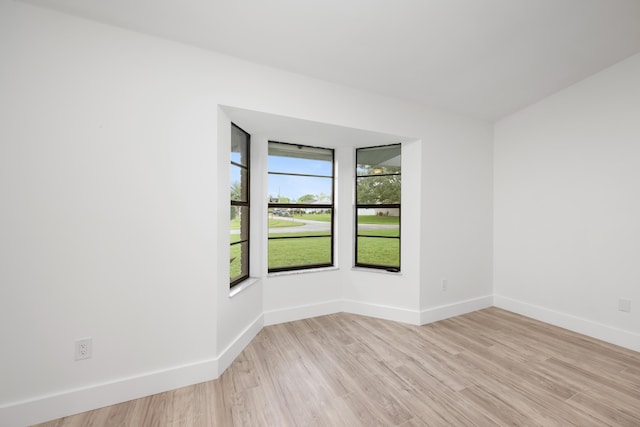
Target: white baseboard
x: 228, y: 355
x: 53, y: 406
x: 381, y: 311
x: 69, y: 402
x: 299, y: 312
x: 83, y: 399
x: 610, y: 334
x: 442, y: 312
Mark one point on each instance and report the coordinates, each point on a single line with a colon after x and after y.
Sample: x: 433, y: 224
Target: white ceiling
x: 485, y: 58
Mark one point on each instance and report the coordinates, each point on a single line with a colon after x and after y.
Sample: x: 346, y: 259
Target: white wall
x: 567, y: 206
x: 456, y: 236
x: 114, y: 223
x: 106, y: 218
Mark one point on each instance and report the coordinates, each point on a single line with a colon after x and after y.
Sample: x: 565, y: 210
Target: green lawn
x: 362, y: 219
x: 394, y: 232
x: 379, y: 251
x: 234, y: 255
x: 314, y: 217
x: 317, y: 250
x: 292, y: 252
x: 280, y: 223
x: 301, y: 234
x: 286, y: 222
x: 378, y: 219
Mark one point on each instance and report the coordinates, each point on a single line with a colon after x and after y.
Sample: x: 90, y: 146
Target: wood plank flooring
x: 487, y: 368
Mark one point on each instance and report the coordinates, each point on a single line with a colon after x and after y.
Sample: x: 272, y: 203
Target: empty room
x: 329, y: 213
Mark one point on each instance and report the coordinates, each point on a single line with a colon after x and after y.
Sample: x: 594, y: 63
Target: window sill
x: 242, y: 286
x: 310, y: 270
x: 376, y: 270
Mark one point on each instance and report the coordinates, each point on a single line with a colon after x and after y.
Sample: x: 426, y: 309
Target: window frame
x: 389, y: 268
x: 246, y: 204
x: 330, y: 206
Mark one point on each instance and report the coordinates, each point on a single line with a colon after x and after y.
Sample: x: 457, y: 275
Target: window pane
x: 378, y: 197
x: 381, y: 221
x: 239, y: 223
x: 299, y: 252
x: 299, y: 222
x: 291, y: 188
x: 238, y: 179
x: 289, y: 158
x: 378, y: 160
x: 300, y: 175
x: 378, y: 251
x: 239, y: 261
x: 239, y: 206
x: 376, y: 190
x: 239, y: 146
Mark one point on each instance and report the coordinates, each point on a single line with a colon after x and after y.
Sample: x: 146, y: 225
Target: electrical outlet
x: 84, y: 349
x: 444, y: 285
x: 624, y: 305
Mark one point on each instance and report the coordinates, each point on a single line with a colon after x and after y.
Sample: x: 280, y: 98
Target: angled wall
x: 567, y: 203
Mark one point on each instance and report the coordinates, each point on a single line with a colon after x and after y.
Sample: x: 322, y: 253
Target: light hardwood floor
x: 486, y: 368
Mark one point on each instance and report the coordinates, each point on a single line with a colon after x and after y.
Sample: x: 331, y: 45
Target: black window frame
x: 390, y: 268
x: 246, y: 204
x: 331, y: 206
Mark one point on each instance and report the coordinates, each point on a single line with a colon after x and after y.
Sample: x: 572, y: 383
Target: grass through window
x: 303, y: 250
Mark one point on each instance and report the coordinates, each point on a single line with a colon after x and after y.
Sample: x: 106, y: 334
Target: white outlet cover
x: 624, y: 305
x: 84, y: 349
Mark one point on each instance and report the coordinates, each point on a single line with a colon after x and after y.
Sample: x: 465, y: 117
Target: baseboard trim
x: 442, y: 312
x: 291, y: 314
x: 228, y: 355
x: 610, y: 334
x: 96, y: 396
x: 58, y: 405
x: 65, y: 403
x: 380, y: 311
